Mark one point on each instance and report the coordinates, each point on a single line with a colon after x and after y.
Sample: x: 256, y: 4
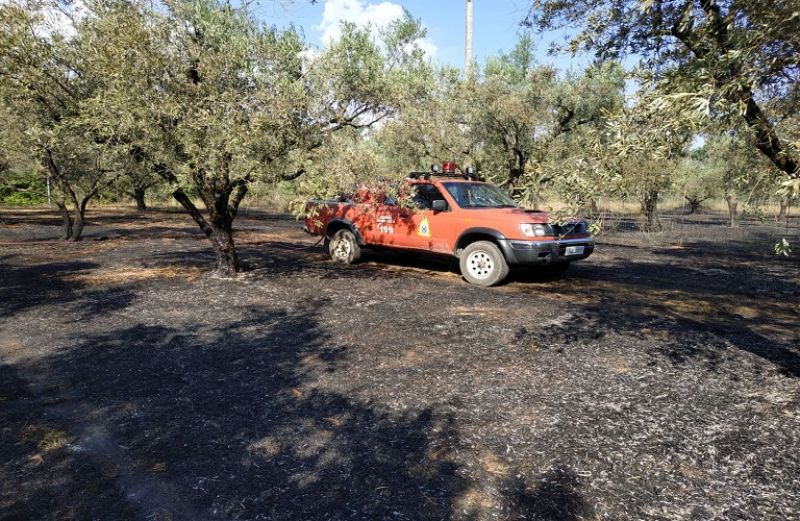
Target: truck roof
x: 445, y: 179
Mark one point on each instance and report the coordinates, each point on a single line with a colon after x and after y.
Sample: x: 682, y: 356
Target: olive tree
x: 712, y: 57
x: 211, y: 100
x: 45, y: 82
x: 136, y: 182
x: 740, y: 177
x: 525, y: 113
x: 644, y: 157
x: 431, y: 127
x: 695, y: 179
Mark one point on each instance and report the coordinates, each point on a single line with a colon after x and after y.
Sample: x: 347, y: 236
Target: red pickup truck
x: 463, y: 217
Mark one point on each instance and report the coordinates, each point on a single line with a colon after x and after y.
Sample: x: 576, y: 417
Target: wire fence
x: 676, y: 228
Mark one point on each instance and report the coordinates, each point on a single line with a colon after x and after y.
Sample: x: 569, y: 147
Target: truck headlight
x: 533, y: 230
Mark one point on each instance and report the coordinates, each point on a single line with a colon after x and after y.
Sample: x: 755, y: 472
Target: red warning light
x: 448, y: 168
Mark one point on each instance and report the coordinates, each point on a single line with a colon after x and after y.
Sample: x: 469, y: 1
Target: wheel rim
x: 342, y: 249
x: 480, y: 264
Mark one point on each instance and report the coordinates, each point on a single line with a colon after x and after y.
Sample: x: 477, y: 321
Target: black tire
x: 343, y: 247
x: 482, y: 263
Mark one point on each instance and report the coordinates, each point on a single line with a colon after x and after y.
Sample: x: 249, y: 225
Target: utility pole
x: 468, y: 46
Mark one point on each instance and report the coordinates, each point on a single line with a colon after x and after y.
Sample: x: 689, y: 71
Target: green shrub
x: 22, y: 189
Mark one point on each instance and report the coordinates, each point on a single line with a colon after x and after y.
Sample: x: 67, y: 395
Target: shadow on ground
x: 205, y: 416
x: 694, y: 314
x: 225, y: 423
x: 24, y: 287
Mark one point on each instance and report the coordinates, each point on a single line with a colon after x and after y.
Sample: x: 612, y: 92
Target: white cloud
x: 57, y: 17
x: 362, y: 13
x: 60, y: 17
x: 428, y: 47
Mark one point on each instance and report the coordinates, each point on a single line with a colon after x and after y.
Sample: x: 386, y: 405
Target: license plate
x: 574, y: 250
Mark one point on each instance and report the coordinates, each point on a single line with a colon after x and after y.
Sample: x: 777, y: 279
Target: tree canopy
x: 197, y: 92
x: 46, y: 84
x: 722, y: 58
x: 205, y: 100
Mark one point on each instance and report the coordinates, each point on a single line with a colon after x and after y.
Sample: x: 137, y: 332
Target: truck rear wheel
x: 482, y: 263
x: 343, y: 247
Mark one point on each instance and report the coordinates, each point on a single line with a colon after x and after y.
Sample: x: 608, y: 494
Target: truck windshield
x: 479, y: 195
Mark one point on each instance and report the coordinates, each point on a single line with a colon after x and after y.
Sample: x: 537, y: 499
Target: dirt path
x: 651, y: 383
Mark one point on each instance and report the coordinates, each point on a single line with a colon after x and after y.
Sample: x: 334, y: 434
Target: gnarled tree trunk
x: 650, y: 210
x: 77, y: 227
x: 66, y: 219
x: 514, y: 175
x: 223, y: 206
x: 694, y: 203
x: 516, y: 168
x: 79, y: 218
x: 733, y: 204
x: 74, y: 220
x: 225, y: 250
x: 137, y: 194
x: 783, y: 213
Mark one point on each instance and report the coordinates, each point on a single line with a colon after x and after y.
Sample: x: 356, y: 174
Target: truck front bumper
x: 544, y: 252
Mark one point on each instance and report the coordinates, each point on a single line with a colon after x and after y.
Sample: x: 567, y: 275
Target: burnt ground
x: 654, y: 382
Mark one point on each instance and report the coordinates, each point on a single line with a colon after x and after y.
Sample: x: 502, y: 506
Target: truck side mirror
x: 439, y: 205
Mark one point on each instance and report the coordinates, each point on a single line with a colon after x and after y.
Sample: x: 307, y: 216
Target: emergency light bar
x: 448, y: 170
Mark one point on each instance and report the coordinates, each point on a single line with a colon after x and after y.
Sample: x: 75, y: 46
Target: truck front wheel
x: 343, y: 247
x: 482, y: 263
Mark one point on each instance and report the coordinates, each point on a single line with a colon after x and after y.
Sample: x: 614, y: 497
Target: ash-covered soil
x: 650, y: 383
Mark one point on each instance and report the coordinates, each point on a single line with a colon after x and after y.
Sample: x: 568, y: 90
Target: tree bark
x: 516, y: 169
x: 732, y: 206
x: 222, y: 202
x: 514, y: 175
x: 783, y: 213
x: 218, y: 229
x: 694, y: 203
x: 77, y: 230
x: 225, y: 249
x: 79, y: 220
x: 137, y: 194
x: 223, y: 211
x: 767, y: 140
x: 74, y: 222
x: 650, y: 210
x: 66, y: 218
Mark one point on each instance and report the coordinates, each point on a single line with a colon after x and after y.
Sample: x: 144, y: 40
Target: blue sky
x: 496, y: 24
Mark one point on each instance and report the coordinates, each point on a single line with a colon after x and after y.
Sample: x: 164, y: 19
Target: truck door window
x: 479, y: 195
x: 424, y: 195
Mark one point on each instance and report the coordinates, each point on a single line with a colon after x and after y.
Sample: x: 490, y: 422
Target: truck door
x: 386, y: 217
x: 375, y: 217
x: 421, y: 228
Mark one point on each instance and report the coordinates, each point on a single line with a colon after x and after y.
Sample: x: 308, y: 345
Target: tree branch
x: 187, y: 203
x: 290, y: 176
x: 240, y: 187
